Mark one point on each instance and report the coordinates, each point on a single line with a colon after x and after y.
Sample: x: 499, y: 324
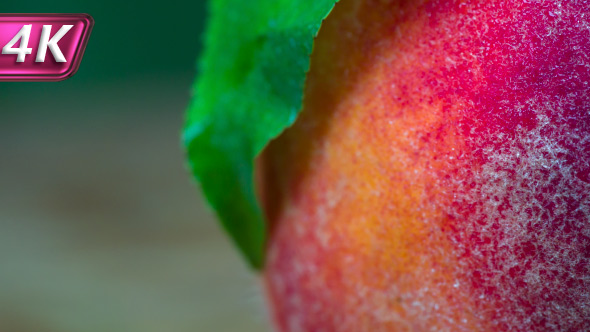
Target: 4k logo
x: 42, y: 47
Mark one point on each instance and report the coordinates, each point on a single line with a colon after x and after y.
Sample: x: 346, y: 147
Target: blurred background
x: 101, y: 226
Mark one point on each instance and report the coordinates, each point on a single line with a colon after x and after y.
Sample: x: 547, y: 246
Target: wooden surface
x: 101, y: 227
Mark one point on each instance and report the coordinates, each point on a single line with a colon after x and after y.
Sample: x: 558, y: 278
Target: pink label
x: 42, y: 47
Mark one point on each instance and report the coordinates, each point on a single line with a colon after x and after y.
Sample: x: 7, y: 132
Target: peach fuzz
x: 437, y: 178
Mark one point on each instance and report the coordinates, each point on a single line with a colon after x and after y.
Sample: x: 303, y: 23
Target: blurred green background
x: 101, y: 226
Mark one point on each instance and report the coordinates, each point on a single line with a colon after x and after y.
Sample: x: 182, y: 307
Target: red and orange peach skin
x: 437, y: 178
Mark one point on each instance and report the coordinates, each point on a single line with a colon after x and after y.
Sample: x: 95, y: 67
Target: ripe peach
x: 438, y: 177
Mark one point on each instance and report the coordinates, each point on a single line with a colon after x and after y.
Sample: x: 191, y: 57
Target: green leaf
x: 250, y: 89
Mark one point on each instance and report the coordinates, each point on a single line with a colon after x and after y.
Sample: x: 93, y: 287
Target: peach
x: 437, y: 178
